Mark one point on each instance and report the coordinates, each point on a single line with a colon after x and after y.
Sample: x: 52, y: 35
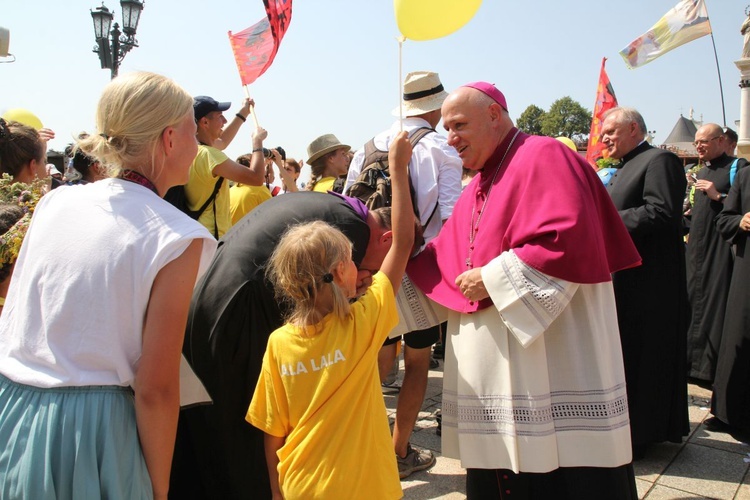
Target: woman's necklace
x: 138, y: 178
x: 475, y: 224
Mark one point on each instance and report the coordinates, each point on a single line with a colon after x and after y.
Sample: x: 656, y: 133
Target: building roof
x: 682, y: 136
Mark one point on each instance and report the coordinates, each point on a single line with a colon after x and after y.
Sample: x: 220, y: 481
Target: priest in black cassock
x: 232, y: 313
x: 652, y: 308
x: 709, y: 257
x: 730, y: 403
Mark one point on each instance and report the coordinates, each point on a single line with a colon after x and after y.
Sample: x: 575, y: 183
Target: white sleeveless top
x: 77, y: 301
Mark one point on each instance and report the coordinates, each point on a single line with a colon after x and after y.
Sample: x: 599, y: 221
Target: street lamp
x: 111, y: 46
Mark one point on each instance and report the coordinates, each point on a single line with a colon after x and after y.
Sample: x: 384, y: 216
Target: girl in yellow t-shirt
x: 318, y: 397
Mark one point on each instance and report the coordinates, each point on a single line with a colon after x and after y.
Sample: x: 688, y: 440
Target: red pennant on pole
x: 605, y: 100
x: 255, y: 47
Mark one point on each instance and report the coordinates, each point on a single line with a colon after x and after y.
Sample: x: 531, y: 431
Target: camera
x: 267, y: 153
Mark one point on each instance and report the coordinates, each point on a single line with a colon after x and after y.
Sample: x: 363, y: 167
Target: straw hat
x: 423, y: 93
x: 322, y: 145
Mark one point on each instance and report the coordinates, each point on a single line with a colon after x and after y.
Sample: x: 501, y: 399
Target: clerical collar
x: 718, y: 160
x: 641, y: 147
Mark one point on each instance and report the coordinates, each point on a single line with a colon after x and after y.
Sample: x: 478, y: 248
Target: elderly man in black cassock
x: 652, y: 309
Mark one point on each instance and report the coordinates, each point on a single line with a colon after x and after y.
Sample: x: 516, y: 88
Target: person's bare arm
x: 255, y: 175
x: 285, y: 173
x: 272, y: 445
x: 157, y: 379
x: 402, y: 216
x: 233, y: 126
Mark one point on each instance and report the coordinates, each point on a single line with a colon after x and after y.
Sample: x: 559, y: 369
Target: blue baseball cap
x: 203, y: 105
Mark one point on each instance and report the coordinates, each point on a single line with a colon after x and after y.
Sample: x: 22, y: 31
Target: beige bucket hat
x: 423, y: 93
x: 322, y: 145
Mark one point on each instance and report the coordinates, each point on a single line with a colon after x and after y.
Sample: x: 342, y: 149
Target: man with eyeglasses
x: 652, y: 307
x: 709, y: 257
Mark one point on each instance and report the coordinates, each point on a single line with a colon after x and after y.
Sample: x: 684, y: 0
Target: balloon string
x: 401, y: 40
x: 252, y: 108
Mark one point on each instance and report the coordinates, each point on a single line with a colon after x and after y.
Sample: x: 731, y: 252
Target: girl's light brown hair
x: 302, y: 265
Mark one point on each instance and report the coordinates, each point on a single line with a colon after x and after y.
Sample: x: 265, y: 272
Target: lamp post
x: 111, y: 43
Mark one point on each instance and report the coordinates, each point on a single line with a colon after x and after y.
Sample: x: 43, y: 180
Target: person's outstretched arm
x: 402, y: 216
x: 233, y: 126
x: 255, y: 175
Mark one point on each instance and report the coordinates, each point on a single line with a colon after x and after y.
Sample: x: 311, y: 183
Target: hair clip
x: 328, y: 278
x: 106, y: 137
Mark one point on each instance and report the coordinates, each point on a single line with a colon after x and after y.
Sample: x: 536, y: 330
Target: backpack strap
x: 212, y: 200
x: 414, y: 139
x: 733, y: 171
x: 373, y: 154
x: 418, y: 134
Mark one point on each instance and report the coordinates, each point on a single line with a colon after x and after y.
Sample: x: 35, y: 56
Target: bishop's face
x: 473, y: 127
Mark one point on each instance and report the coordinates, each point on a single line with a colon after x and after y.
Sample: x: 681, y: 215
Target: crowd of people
x: 202, y: 333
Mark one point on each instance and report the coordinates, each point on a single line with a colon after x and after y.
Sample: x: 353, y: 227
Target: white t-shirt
x: 77, y: 301
x: 435, y: 170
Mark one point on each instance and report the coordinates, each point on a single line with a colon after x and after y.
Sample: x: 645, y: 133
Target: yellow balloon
x: 568, y: 142
x: 430, y: 19
x: 23, y: 116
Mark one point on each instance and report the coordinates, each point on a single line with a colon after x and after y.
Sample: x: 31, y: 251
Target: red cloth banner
x: 605, y: 100
x: 255, y: 47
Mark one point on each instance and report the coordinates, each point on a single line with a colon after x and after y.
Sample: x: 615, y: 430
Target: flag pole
x: 252, y: 108
x: 401, y: 39
x: 721, y: 86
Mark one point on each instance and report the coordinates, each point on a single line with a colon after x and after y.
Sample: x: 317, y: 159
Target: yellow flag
x: 687, y: 21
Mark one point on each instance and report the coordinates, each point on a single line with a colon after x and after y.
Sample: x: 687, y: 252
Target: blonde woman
x: 90, y: 340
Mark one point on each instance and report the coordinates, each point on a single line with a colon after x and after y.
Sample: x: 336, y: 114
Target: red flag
x: 255, y: 47
x: 605, y: 100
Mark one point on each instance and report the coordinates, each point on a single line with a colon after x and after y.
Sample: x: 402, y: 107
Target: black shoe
x: 438, y: 352
x: 714, y: 424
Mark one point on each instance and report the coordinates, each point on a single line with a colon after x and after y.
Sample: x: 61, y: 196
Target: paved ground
x: 706, y: 465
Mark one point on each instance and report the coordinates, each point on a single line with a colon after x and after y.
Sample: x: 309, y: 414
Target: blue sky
x: 337, y: 68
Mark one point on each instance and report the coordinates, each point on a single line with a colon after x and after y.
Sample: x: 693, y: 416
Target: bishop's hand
x: 471, y: 284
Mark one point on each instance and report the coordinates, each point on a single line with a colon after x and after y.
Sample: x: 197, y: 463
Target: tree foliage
x: 567, y: 118
x: 530, y: 120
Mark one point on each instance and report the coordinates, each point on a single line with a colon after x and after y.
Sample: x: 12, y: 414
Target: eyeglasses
x: 704, y: 142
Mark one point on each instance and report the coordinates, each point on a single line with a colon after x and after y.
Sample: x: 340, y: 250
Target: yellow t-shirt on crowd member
x: 324, y: 185
x: 320, y: 388
x: 200, y: 186
x: 243, y: 198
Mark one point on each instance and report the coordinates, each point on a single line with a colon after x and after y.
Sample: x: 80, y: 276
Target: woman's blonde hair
x: 302, y: 265
x: 132, y: 113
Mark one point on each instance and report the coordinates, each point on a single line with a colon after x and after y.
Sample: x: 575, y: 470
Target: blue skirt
x: 70, y: 443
